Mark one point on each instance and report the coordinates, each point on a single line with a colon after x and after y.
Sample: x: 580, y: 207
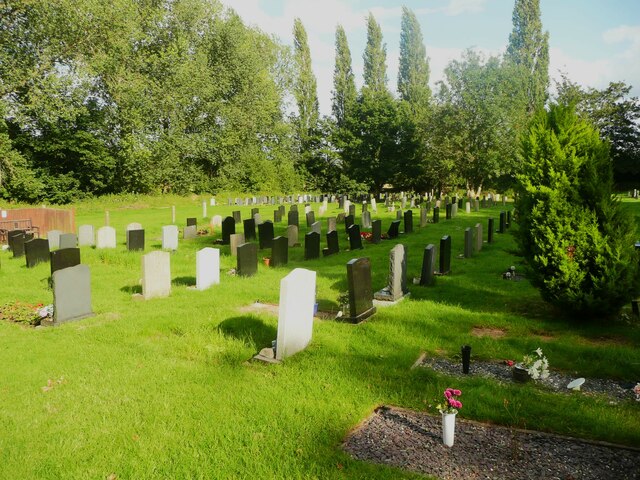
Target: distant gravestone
x: 394, y: 229
x: 16, y: 240
x: 53, y: 236
x: 106, y: 237
x: 295, y: 312
x: 134, y: 226
x: 228, y: 229
x: 190, y: 232
x: 428, y: 265
x: 503, y: 222
x: 135, y: 240
x: 348, y: 221
x: 360, y: 292
x: 279, y: 252
x: 333, y: 245
x: 317, y: 227
x: 376, y: 232
x: 277, y: 216
x: 467, y: 207
x: 478, y: 237
x: 293, y: 208
x: 192, y: 222
x: 71, y: 294
x: 408, y: 221
x: 265, y: 234
x: 355, y: 239
x: 170, y: 237
x: 156, y: 274
x: 399, y: 215
x: 257, y: 218
x: 292, y: 235
x: 508, y: 219
x: 448, y: 214
x: 36, y: 251
x: 352, y: 210
x: 86, y: 236
x: 216, y: 222
x: 311, y: 218
x: 366, y: 219
x: 454, y: 210
x: 423, y: 217
x: 490, y: 229
x: 436, y: 214
x: 445, y: 255
x: 236, y: 216
x: 468, y: 243
x: 249, y: 225
x: 397, y: 282
x: 331, y: 224
x: 340, y: 218
x: 235, y: 239
x: 68, y: 240
x: 254, y: 211
x: 311, y: 245
x: 207, y: 268
x: 64, y: 258
x: 247, y: 265
x: 292, y: 218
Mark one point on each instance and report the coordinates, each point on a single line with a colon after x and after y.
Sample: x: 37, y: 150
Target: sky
x: 593, y: 41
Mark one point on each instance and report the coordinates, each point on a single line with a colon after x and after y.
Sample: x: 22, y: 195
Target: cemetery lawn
x: 164, y: 388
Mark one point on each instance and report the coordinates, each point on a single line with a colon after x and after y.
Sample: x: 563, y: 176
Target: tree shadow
x: 248, y: 328
x: 187, y: 281
x: 132, y: 289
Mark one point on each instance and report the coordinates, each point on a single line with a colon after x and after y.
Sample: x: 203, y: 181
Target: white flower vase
x: 448, y: 428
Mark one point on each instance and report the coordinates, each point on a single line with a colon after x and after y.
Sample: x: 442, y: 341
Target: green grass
x: 164, y: 388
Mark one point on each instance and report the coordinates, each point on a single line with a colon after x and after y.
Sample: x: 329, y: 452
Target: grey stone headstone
x: 228, y: 229
x: 68, y: 240
x: 317, y: 227
x: 408, y: 221
x: 135, y: 240
x: 235, y: 240
x: 366, y: 219
x: 292, y: 218
x: 340, y: 218
x: 352, y: 210
x: 428, y: 265
x: 467, y: 207
x: 277, y: 216
x: 257, y: 218
x: 71, y: 294
x: 249, y: 225
x: 360, y: 292
x: 355, y: 240
x: 36, y: 251
x: 292, y: 235
x: 476, y: 205
x: 279, y: 251
x: 170, y: 237
x: 397, y: 282
x: 53, y: 236
x: 64, y: 258
x: 445, y: 255
x: 106, y: 237
x: 293, y: 208
x: 156, y: 275
x: 247, y: 265
x: 86, y: 236
x: 376, y: 232
x: 134, y: 226
x: 190, y: 232
x: 265, y: 234
x: 423, y: 217
x: 331, y: 224
x: 236, y: 216
x: 311, y: 245
x: 333, y: 244
x: 478, y: 237
x: 311, y: 218
x: 468, y: 243
x: 454, y: 209
x: 254, y: 211
x: 399, y: 215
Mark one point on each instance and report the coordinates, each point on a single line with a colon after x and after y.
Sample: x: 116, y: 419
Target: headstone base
x: 267, y: 355
x: 384, y: 302
x: 360, y: 318
x: 385, y: 295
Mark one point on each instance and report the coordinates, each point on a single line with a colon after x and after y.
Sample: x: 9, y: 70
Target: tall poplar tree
x: 375, y: 57
x: 413, y: 73
x: 529, y: 48
x: 344, y: 85
x: 305, y: 89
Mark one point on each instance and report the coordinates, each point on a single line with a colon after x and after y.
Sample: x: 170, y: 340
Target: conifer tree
x: 305, y: 89
x: 375, y: 58
x: 413, y: 73
x: 344, y: 86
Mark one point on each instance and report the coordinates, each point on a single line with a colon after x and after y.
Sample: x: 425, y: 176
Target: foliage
x: 344, y: 87
x: 305, y: 89
x: 413, y: 73
x: 375, y: 57
x: 575, y: 236
x: 21, y: 312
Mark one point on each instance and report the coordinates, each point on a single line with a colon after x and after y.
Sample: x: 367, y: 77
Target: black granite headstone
x: 64, y: 258
x: 17, y: 242
x: 247, y: 259
x: 192, y: 221
x: 135, y: 240
x: 408, y: 221
x: 445, y: 255
x: 448, y: 212
x: 10, y: 236
x: 237, y: 218
x: 436, y: 214
x: 355, y: 240
x: 376, y: 231
x: 293, y: 208
x: 394, y: 229
x: 428, y: 265
x: 311, y: 219
x: 490, y: 230
x: 293, y: 217
x: 360, y: 291
x: 228, y: 229
x: 36, y: 251
x: 508, y: 218
x: 348, y: 221
x: 468, y: 243
x: 333, y: 245
x: 311, y: 245
x: 503, y: 222
x: 265, y: 234
x: 352, y: 210
x: 249, y: 225
x: 279, y: 251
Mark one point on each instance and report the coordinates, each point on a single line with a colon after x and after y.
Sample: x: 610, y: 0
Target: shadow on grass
x: 186, y: 281
x: 248, y: 328
x: 132, y: 289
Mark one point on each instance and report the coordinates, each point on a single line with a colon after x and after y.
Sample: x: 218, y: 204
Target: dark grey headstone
x: 14, y: 233
x: 428, y: 265
x: 508, y: 218
x: 279, y: 251
x: 64, y: 258
x: 340, y: 218
x: 36, y: 251
x: 490, y: 229
x: 68, y: 240
x: 228, y: 229
x: 360, y: 292
x: 398, y: 214
x: 249, y: 225
x: 277, y: 216
x: 311, y: 219
x: 423, y: 217
x: 348, y: 221
x: 333, y: 244
x: 352, y: 210
x: 468, y: 243
x: 282, y: 210
x: 293, y: 208
x: 265, y: 234
x: 237, y: 218
x: 247, y: 259
x: 293, y: 217
x: 192, y: 221
x: 445, y: 255
x: 394, y: 229
x: 254, y: 211
x: 17, y: 242
x: 135, y: 240
x: 355, y: 240
x: 408, y: 221
x: 71, y: 293
x: 311, y: 245
x: 396, y: 287
x: 436, y: 214
x: 503, y: 222
x: 376, y: 231
x: 448, y: 212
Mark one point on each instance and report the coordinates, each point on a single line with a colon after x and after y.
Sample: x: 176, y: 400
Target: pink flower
x: 447, y: 393
x: 509, y: 362
x: 457, y: 392
x: 452, y: 402
x: 458, y: 404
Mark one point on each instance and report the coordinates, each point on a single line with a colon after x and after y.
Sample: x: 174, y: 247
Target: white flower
x: 539, y: 351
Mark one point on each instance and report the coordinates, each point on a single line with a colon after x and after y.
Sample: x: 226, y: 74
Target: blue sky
x: 593, y: 41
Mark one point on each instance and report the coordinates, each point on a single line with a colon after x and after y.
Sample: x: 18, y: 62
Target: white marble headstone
x: 216, y: 221
x: 53, y: 236
x: 207, y: 267
x: 106, y: 237
x: 156, y: 274
x: 170, y: 237
x: 134, y: 226
x: 86, y: 236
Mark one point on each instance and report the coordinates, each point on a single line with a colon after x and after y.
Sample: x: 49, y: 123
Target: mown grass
x: 164, y: 388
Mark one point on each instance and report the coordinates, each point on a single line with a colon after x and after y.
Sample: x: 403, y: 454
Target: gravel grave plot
x: 413, y: 441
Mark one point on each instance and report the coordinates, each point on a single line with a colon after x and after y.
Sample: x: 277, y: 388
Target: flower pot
x: 267, y: 261
x: 448, y: 428
x: 520, y: 374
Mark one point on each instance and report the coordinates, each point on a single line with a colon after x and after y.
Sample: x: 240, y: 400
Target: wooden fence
x: 44, y: 218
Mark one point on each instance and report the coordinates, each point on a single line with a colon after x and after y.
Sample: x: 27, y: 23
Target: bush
x: 576, y: 238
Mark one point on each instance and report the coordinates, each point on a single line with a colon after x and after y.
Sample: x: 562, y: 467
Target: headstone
x: 490, y: 230
x: 467, y: 207
x: 355, y: 240
x: 36, y: 251
x: 468, y: 243
x: 360, y: 292
x: 135, y: 240
x: 216, y: 222
x: 279, y: 251
x: 376, y: 231
x: 293, y: 218
x: 340, y: 218
x: 64, y: 258
x: 508, y: 218
x: 228, y: 229
x: 265, y: 234
x: 237, y: 218
x: 86, y: 236
x: 190, y: 232
x: 397, y: 282
x: 448, y: 211
x: 423, y: 217
x: 170, y: 237
x: 53, y: 236
x: 156, y: 274
x: 71, y: 294
x: 399, y: 215
x: 374, y: 206
x: 331, y: 224
x: 311, y: 245
x: 317, y: 227
x: 454, y: 210
x: 235, y: 239
x: 292, y: 235
x: 247, y: 265
x: 249, y: 229
x: 476, y: 205
x: 277, y: 216
x: 307, y: 208
x: 503, y: 222
x: 445, y: 255
x: 212, y: 202
x: 333, y: 244
x: 106, y: 237
x: 254, y: 211
x: 192, y: 221
x: 68, y: 240
x: 295, y: 312
x: 436, y: 214
x: 478, y: 237
x: 366, y: 219
x: 16, y: 240
x: 207, y: 268
x: 293, y: 208
x: 408, y: 221
x: 173, y: 215
x: 348, y: 221
x: 352, y: 210
x: 428, y: 265
x: 257, y: 218
x: 134, y: 226
x: 394, y: 229
x: 311, y: 218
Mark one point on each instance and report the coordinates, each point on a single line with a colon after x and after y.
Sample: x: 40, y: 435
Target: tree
x: 375, y: 58
x: 529, y: 48
x: 413, y: 73
x: 305, y: 89
x: 575, y: 236
x: 344, y: 85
